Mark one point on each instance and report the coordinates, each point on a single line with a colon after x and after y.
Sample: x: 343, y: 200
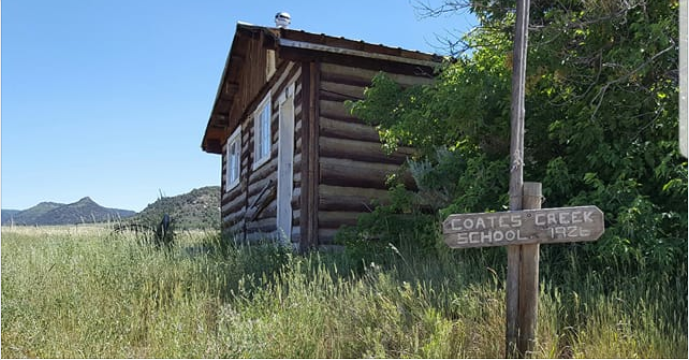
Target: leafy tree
x: 601, y: 123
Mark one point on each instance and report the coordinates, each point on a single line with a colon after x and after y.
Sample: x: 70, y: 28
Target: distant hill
x: 29, y: 216
x: 197, y: 209
x: 50, y: 213
x: 7, y: 213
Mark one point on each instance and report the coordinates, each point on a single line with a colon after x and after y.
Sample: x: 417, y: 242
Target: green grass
x: 92, y: 294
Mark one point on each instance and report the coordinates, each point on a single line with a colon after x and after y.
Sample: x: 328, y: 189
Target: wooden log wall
x: 249, y: 210
x: 352, y: 165
x: 339, y: 166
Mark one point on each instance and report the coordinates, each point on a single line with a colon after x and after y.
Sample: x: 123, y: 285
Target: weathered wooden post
x: 527, y: 314
x: 514, y: 253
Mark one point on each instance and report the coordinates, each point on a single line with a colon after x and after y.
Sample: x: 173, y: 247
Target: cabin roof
x: 307, y: 45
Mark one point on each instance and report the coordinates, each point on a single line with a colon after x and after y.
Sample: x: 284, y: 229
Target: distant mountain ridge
x: 50, y: 213
x: 197, y: 209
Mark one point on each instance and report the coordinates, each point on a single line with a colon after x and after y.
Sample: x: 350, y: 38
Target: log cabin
x: 296, y: 165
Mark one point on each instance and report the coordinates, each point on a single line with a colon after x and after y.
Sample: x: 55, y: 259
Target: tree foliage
x: 601, y: 122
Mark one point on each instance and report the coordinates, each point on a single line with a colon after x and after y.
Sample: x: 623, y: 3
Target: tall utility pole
x: 519, y: 336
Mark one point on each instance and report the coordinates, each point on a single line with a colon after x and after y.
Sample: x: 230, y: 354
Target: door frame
x: 285, y: 185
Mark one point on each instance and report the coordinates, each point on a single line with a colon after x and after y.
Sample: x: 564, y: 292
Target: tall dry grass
x: 97, y: 294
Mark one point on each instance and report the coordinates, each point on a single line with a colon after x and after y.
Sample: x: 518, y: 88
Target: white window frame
x: 262, y: 149
x: 234, y: 161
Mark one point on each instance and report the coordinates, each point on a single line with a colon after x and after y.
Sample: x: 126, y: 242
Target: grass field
x: 88, y: 293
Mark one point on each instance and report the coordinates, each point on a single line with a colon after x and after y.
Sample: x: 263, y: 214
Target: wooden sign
x: 541, y: 226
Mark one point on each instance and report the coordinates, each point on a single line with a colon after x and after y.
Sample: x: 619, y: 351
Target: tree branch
x: 601, y: 92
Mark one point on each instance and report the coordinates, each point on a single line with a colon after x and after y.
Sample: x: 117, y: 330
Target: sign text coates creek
x: 556, y: 225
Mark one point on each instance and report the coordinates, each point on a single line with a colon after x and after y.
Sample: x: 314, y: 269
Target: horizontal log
x: 355, y: 130
x: 297, y: 176
x: 234, y: 218
x: 270, y: 210
x: 297, y: 156
x: 335, y: 219
x: 296, y: 197
x: 334, y: 72
x: 344, y: 172
x: 341, y: 92
x: 266, y: 225
x: 235, y: 205
x: 264, y: 171
x: 358, y: 150
x: 231, y: 195
x: 351, y: 91
x: 335, y: 110
x: 298, y: 95
x: 345, y: 80
x: 297, y: 146
x: 258, y: 186
x: 296, y: 217
x: 345, y: 198
x: 236, y: 227
x: 259, y: 203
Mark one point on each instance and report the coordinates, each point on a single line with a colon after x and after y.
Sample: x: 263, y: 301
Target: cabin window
x: 234, y: 158
x: 262, y: 135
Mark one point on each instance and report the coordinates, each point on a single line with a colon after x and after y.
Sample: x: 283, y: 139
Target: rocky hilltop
x: 197, y: 209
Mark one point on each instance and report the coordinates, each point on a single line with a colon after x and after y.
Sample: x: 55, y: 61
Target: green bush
x: 601, y: 129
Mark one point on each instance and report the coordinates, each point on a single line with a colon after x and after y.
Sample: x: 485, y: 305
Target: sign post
x: 524, y: 231
x: 527, y: 314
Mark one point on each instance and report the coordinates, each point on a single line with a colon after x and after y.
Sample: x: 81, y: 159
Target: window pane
x: 265, y: 131
x: 233, y: 162
x: 262, y: 133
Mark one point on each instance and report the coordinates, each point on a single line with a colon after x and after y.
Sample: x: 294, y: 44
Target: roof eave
x: 225, y: 91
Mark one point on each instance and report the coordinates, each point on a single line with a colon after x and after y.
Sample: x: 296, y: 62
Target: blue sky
x: 109, y: 99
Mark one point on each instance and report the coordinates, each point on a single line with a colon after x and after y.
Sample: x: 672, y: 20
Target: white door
x: 285, y: 164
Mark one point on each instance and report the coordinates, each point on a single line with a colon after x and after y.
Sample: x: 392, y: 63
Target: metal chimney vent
x: 282, y: 20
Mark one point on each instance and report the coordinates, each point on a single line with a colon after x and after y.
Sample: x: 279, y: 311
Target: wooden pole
x: 516, y: 171
x: 528, y: 279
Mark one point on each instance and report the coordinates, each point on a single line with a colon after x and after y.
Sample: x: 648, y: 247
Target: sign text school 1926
x: 556, y: 225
